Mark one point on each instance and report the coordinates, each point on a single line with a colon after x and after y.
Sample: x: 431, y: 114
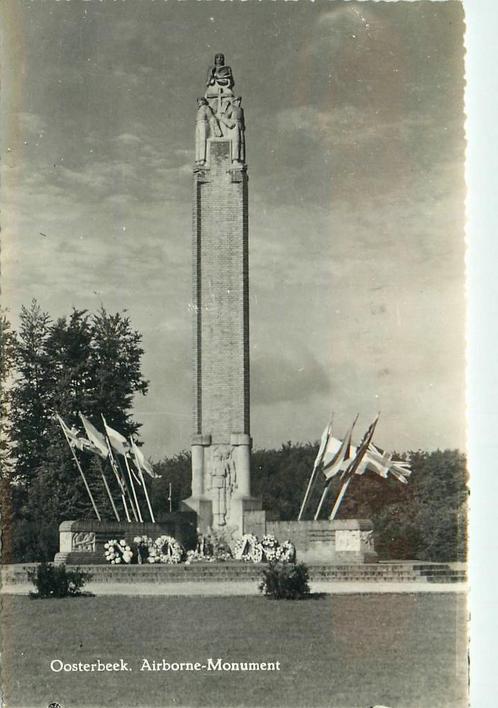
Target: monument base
x: 336, y: 542
x: 206, y: 521
x: 81, y: 542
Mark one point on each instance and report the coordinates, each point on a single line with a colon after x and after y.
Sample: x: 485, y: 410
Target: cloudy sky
x: 355, y: 149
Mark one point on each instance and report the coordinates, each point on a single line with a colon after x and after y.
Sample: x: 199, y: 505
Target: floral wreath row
x: 166, y: 549
x: 117, y: 551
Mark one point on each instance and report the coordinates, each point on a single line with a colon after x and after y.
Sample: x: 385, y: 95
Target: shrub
x: 285, y: 581
x: 57, y: 581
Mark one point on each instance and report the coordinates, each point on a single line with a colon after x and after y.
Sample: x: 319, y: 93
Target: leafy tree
x: 7, y: 350
x: 116, y: 360
x: 83, y: 362
x: 428, y: 522
x: 30, y: 395
x: 176, y: 470
x: 7, y: 353
x: 70, y: 352
x: 280, y: 478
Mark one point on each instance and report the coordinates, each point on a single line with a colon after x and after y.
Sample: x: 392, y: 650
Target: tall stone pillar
x: 221, y: 442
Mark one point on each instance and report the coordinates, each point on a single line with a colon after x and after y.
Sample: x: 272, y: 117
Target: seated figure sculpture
x: 220, y: 75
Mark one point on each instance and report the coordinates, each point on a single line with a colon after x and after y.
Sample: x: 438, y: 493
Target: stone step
x: 233, y: 572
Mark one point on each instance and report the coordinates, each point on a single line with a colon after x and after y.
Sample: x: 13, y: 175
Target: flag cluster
x: 341, y: 457
x: 345, y: 458
x: 111, y: 445
x: 95, y: 442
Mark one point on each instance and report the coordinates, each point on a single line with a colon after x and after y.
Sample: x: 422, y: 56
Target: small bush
x: 57, y: 581
x: 285, y: 581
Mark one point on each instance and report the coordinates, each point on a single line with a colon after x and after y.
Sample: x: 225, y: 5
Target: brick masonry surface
x: 220, y: 296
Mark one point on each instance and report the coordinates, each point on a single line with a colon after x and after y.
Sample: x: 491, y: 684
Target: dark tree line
x: 82, y: 362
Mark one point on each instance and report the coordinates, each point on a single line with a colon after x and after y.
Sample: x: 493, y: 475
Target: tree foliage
x: 81, y: 362
x: 176, y: 471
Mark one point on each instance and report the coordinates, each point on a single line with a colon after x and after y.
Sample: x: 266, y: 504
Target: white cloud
x: 128, y: 139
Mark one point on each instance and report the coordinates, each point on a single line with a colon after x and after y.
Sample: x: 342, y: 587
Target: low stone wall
x: 82, y: 541
x: 324, y: 541
x: 336, y: 542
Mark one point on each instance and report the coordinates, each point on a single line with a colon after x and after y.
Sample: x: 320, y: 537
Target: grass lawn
x: 342, y: 650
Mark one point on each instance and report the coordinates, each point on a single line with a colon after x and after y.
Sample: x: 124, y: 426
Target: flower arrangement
x: 270, y: 546
x: 165, y: 549
x: 196, y: 557
x: 256, y: 555
x: 247, y: 548
x: 286, y: 553
x: 223, y: 554
x: 143, y: 546
x: 117, y: 551
x: 221, y: 541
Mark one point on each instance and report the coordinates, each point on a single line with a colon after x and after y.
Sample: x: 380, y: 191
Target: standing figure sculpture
x: 223, y: 480
x: 233, y: 118
x: 206, y: 125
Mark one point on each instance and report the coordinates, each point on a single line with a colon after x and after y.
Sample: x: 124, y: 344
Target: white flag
x: 142, y: 463
x: 96, y: 438
x: 119, y: 442
x: 323, y: 444
x: 343, y: 452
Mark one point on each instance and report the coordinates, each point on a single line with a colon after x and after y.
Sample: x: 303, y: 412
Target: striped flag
x: 382, y: 463
x: 353, y: 467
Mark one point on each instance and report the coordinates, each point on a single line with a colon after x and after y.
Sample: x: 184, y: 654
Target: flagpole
x: 139, y: 468
x: 121, y: 478
x: 133, y: 490
x: 109, y: 493
x: 147, y: 495
x: 82, y: 474
x: 322, y: 499
x: 308, y: 489
x: 116, y: 474
x: 339, y: 498
x: 130, y: 499
x: 315, y: 468
x: 170, y: 500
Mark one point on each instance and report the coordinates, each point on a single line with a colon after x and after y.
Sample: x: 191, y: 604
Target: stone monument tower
x: 221, y: 441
